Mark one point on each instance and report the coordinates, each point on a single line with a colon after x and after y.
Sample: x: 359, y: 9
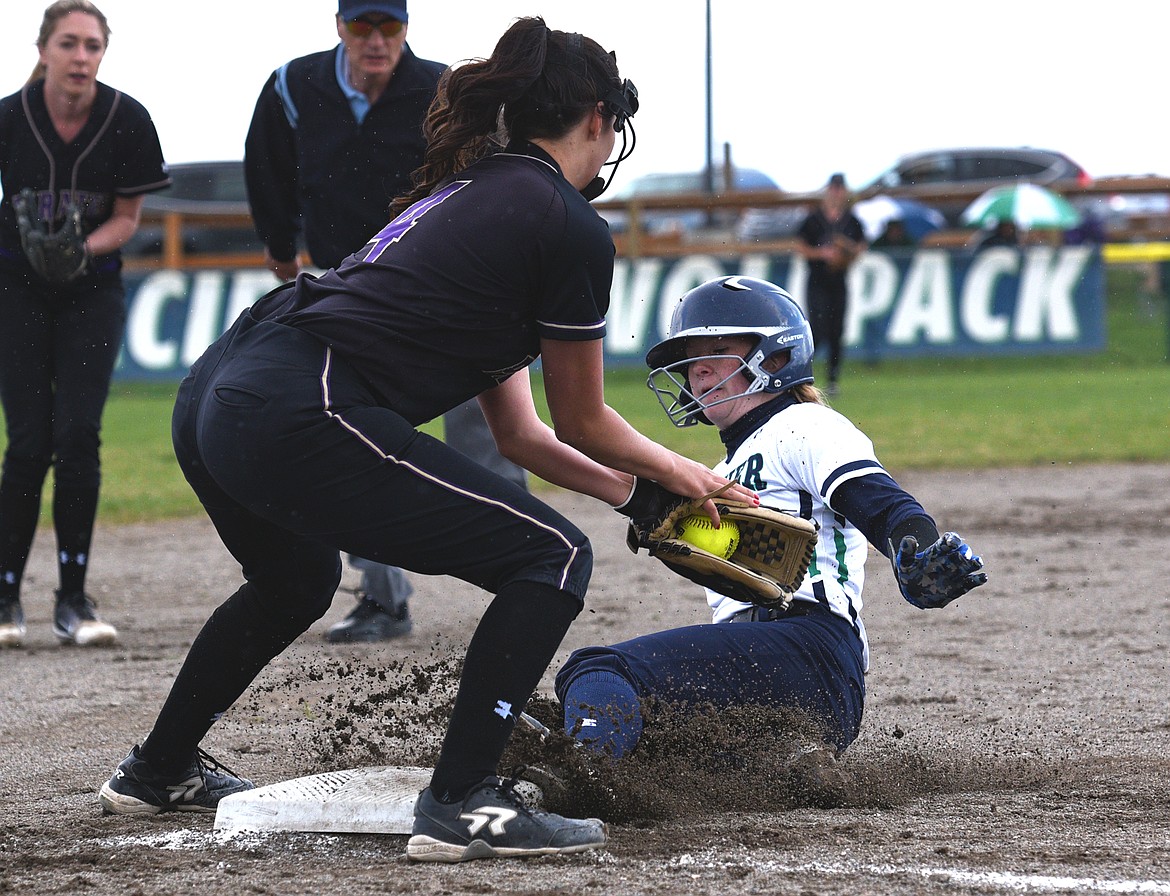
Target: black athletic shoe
x: 369, y: 622
x: 492, y: 822
x: 136, y: 789
x: 11, y: 623
x: 75, y: 621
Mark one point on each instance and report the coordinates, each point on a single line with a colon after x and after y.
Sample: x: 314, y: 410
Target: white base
x: 376, y: 800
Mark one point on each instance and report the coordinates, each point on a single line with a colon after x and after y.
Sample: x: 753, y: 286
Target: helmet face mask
x: 671, y: 385
x: 731, y: 306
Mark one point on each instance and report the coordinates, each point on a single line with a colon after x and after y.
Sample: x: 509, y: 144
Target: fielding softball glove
x: 761, y: 559
x: 57, y: 256
x: 934, y: 577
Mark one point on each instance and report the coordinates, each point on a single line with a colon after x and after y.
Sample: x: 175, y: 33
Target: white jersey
x: 795, y: 461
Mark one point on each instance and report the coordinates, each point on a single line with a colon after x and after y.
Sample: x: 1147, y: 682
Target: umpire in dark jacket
x: 334, y: 138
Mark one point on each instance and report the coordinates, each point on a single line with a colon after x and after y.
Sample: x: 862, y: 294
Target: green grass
x: 968, y: 413
x: 140, y: 479
x: 971, y: 413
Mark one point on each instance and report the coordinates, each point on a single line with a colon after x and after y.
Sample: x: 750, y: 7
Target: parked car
x: 984, y: 167
x: 763, y: 224
x: 199, y: 187
x: 974, y: 166
x: 1119, y: 211
x: 661, y: 221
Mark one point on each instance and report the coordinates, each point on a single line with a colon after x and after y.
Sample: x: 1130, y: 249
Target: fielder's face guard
x: 621, y: 102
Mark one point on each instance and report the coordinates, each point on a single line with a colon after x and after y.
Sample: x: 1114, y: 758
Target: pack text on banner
x: 903, y: 303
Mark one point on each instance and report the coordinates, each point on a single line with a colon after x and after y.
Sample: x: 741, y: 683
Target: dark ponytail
x: 537, y: 83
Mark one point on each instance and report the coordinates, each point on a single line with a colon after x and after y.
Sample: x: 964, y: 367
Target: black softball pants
x: 828, y: 296
x: 58, y: 346
x: 294, y: 461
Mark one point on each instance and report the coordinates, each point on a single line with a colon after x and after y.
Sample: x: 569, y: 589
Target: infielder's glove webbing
x: 767, y: 567
x: 57, y: 256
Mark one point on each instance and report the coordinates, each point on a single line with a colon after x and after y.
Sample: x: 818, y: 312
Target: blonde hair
x: 54, y: 14
x: 807, y: 393
x: 802, y: 393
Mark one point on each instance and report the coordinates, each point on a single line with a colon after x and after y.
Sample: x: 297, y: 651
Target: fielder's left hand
x: 934, y: 577
x: 58, y: 256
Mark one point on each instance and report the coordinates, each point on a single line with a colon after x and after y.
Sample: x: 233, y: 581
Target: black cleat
x: 75, y: 621
x: 492, y: 822
x: 11, y: 623
x: 136, y: 789
x: 370, y: 622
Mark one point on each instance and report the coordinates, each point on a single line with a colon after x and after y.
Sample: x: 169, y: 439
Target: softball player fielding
x: 298, y: 431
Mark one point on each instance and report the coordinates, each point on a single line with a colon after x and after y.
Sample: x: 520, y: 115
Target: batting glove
x: 934, y: 577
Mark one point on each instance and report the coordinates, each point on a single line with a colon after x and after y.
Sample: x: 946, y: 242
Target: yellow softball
x: 698, y: 531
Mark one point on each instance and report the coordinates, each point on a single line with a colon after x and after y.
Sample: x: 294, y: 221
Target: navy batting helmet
x: 726, y: 306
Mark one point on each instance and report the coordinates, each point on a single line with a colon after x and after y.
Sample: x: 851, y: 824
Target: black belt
x: 765, y: 614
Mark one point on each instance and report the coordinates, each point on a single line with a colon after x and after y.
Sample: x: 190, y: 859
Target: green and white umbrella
x: 1028, y: 205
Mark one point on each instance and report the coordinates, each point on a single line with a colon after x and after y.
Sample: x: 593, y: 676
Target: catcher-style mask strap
x: 621, y: 101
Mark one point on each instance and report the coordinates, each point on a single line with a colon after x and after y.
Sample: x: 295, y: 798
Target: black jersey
x: 818, y: 230
x: 117, y: 153
x: 454, y: 295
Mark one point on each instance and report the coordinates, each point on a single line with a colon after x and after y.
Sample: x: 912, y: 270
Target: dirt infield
x: 1017, y: 741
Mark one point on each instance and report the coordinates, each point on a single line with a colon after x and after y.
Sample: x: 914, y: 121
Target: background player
x: 831, y: 238
x: 75, y: 143
x: 297, y: 430
x: 738, y: 356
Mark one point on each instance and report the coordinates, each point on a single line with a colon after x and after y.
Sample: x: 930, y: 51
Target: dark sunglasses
x: 364, y: 27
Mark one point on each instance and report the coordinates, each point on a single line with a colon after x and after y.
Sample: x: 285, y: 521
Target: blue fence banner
x: 907, y: 303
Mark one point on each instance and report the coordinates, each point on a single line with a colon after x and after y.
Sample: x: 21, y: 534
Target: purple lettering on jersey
x: 45, y: 202
x: 52, y: 206
x: 396, y: 229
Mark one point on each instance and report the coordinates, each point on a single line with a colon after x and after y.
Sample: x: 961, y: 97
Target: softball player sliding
x: 739, y: 356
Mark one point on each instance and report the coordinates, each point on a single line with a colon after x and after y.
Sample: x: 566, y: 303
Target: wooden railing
x: 635, y: 241
x: 173, y: 255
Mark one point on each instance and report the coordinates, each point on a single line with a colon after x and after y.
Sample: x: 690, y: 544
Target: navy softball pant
x: 811, y: 662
